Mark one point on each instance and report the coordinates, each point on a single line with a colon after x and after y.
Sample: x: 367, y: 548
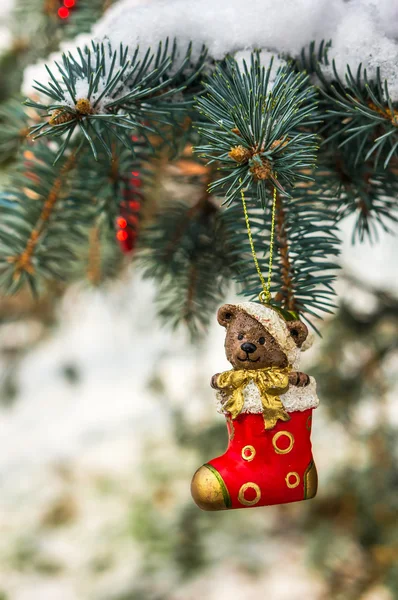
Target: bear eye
x: 294, y: 332
x: 228, y: 316
x: 240, y: 336
x: 261, y: 340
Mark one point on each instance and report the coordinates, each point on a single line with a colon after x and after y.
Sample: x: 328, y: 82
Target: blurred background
x: 105, y: 414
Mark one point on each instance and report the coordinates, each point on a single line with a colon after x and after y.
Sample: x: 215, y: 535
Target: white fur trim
x: 300, y: 398
x: 295, y: 399
x: 275, y: 324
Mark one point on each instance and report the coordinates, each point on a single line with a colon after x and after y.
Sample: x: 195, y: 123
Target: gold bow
x: 270, y: 382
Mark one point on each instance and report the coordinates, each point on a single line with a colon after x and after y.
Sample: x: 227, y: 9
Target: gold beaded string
x: 265, y: 295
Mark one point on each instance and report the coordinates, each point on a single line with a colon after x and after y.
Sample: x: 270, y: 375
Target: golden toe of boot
x: 207, y: 489
x: 310, y: 481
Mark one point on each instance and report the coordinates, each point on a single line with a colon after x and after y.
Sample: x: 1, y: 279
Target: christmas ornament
x: 267, y: 403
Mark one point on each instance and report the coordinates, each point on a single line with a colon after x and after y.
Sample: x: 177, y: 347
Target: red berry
x: 63, y: 12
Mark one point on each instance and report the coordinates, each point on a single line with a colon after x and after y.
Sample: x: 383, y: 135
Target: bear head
x: 249, y: 343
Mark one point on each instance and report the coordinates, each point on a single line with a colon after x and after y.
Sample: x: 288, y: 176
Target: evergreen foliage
x: 307, y: 245
x: 43, y: 207
x: 14, y: 124
x: 124, y: 93
x: 358, y: 155
x: 53, y: 218
x: 328, y: 145
x: 185, y: 252
x: 258, y: 132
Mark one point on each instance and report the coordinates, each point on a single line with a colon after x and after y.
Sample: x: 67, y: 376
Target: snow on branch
x: 362, y: 31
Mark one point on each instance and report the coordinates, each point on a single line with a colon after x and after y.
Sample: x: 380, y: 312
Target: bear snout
x: 248, y: 347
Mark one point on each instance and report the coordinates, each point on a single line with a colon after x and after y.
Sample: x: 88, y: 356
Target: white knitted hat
x: 275, y: 324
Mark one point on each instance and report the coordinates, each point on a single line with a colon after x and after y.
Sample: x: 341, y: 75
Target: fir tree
x: 329, y: 149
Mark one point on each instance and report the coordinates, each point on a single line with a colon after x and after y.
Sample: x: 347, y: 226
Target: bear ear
x: 298, y: 330
x: 226, y: 313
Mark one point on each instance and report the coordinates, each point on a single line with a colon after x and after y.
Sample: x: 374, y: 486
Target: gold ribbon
x: 270, y: 382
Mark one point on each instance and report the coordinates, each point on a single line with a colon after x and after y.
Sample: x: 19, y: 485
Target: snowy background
x: 80, y: 456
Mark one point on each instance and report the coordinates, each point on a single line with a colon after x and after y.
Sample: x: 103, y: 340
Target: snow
x: 224, y: 26
x: 363, y: 36
x: 6, y: 37
x: 373, y: 263
x: 361, y: 30
x: 5, y: 9
x: 119, y: 403
x: 62, y: 440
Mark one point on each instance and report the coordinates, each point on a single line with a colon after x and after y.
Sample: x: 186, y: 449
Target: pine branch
x: 101, y: 260
x: 121, y: 94
x: 358, y: 111
x: 306, y: 247
x: 355, y: 161
x: 38, y: 225
x: 23, y: 261
x: 286, y: 295
x: 14, y: 128
x: 46, y: 202
x: 367, y: 191
x: 263, y: 138
x: 184, y: 251
x: 259, y: 135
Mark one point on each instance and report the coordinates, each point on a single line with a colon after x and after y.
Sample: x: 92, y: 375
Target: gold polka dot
x: 309, y: 422
x: 276, y: 437
x: 289, y: 476
x: 241, y: 495
x: 248, y: 453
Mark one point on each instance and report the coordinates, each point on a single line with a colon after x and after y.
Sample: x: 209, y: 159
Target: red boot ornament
x: 268, y: 407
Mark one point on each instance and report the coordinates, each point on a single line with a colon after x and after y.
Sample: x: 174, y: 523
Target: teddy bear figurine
x: 268, y: 406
